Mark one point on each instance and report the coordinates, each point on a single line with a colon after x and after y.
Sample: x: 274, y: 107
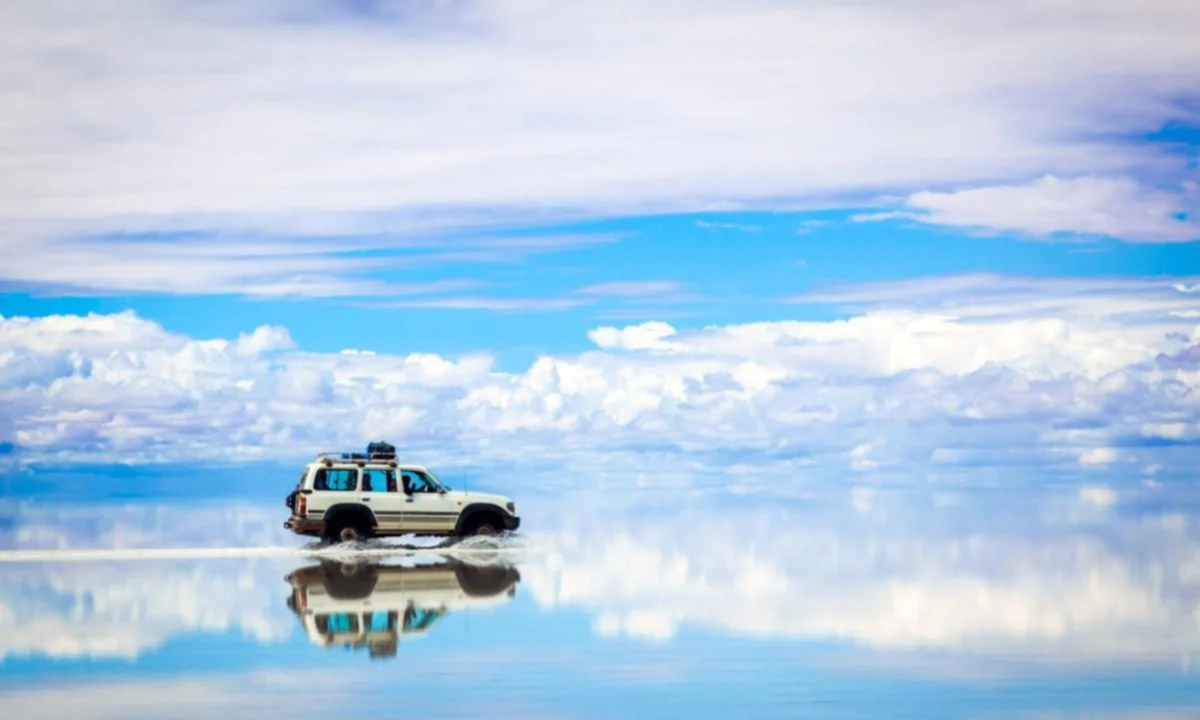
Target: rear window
x: 336, y: 623
x: 336, y: 479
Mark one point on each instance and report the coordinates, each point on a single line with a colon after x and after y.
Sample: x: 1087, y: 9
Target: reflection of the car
x: 369, y: 604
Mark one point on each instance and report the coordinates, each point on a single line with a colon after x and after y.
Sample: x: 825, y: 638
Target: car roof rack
x: 356, y: 457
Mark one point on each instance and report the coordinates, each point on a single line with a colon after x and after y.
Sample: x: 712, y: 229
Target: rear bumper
x: 305, y: 526
x: 511, y: 522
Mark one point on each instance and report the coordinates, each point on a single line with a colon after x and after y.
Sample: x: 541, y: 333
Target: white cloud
x: 1089, y: 205
x: 650, y: 335
x: 476, y: 113
x: 475, y: 302
x: 1098, y: 456
x: 985, y: 382
x: 634, y: 291
x: 1099, y: 496
x: 202, y: 263
x: 738, y: 227
x: 1013, y: 297
x: 124, y: 609
x: 1016, y: 579
x: 633, y: 288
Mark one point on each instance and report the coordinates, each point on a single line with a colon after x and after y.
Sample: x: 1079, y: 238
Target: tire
x: 486, y: 580
x: 483, y: 525
x: 349, y: 529
x: 349, y: 581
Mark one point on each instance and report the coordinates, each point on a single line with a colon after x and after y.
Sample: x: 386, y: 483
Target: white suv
x: 348, y: 497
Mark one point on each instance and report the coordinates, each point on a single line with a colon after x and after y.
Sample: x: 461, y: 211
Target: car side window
x: 416, y: 620
x: 378, y: 480
x: 418, y: 483
x: 344, y: 479
x: 382, y: 621
x: 329, y: 624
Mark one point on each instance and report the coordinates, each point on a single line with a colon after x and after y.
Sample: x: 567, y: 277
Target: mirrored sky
x: 1064, y: 604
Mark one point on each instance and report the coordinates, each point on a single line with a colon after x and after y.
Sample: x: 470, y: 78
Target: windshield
x: 437, y: 481
x: 419, y: 620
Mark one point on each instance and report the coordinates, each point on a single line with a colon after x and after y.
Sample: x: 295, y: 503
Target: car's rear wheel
x: 349, y: 530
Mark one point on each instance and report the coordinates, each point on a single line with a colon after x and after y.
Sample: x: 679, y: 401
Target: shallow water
x: 1037, y: 607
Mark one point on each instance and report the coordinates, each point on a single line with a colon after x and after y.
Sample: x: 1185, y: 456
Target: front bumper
x: 511, y: 522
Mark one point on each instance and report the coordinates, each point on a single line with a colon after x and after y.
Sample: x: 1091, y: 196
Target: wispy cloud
x: 655, y: 291
x: 631, y: 288
x: 635, y: 291
x: 737, y: 227
x: 344, y: 142
x: 810, y: 226
x: 987, y: 295
x: 1050, y: 206
x: 261, y: 266
x: 497, y: 303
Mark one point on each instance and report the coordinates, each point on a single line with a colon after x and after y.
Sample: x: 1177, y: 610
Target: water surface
x: 1041, y: 606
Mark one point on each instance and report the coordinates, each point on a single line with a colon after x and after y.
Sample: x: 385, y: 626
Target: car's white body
x: 331, y: 490
x: 372, y: 605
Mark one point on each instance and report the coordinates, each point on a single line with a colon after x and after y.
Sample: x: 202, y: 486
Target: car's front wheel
x: 485, y: 525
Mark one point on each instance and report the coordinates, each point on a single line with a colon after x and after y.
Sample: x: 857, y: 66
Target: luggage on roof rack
x: 381, y: 451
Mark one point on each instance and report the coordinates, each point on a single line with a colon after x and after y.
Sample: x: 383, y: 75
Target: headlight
x: 512, y: 508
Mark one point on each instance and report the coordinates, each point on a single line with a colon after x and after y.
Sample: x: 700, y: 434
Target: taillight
x: 302, y: 508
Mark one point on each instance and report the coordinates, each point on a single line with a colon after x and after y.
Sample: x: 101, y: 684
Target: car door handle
x: 366, y: 499
x: 408, y: 500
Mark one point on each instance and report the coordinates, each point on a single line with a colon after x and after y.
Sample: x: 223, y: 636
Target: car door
x: 380, y: 491
x: 426, y: 508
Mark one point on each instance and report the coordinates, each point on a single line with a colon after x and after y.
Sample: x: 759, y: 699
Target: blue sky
x: 690, y: 270
x: 942, y: 243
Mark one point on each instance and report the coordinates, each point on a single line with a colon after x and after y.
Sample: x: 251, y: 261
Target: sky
x: 758, y: 243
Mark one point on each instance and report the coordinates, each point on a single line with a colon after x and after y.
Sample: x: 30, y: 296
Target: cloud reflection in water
x: 952, y: 590
x: 1065, y: 584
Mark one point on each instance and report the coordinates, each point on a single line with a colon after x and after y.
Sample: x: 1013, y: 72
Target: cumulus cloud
x: 1036, y: 375
x: 1116, y: 207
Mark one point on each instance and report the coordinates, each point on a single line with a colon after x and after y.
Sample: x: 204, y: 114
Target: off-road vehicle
x: 371, y: 605
x: 349, y: 497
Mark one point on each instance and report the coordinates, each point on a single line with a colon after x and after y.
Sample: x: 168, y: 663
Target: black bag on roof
x: 381, y: 450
